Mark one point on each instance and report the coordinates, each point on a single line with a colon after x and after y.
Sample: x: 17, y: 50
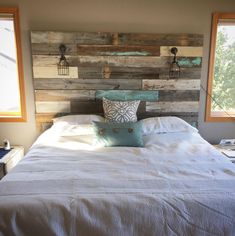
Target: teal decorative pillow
x: 118, y: 134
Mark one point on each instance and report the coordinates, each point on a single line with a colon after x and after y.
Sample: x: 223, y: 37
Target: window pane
x: 9, y: 89
x: 223, y: 90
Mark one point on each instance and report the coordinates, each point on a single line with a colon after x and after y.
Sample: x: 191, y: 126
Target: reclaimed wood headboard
x: 104, y: 62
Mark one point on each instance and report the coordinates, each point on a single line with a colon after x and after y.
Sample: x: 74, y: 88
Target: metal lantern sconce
x: 174, y: 71
x: 63, y: 65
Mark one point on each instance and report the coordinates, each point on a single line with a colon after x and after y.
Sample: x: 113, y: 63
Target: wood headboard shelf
x: 120, y: 61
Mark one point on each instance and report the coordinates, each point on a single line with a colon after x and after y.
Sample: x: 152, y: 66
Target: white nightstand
x: 224, y: 148
x: 9, y: 160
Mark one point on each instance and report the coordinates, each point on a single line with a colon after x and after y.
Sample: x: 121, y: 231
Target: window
x: 221, y: 81
x: 12, y: 97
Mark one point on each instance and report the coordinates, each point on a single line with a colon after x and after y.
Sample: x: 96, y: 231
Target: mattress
x: 178, y: 184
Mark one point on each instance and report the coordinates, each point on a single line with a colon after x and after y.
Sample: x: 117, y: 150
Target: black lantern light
x: 63, y: 65
x: 174, y: 71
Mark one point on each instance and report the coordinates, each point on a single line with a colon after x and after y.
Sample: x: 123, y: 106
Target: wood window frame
x: 15, y: 14
x: 223, y: 115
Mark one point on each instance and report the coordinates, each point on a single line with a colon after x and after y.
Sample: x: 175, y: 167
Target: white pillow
x: 77, y: 130
x: 78, y: 119
x: 167, y: 124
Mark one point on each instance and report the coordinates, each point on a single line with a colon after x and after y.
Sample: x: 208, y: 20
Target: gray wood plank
x: 145, y: 73
x: 96, y: 72
x: 171, y: 84
x: 122, y: 61
x: 179, y: 95
x: 183, y: 51
x: 52, y: 72
x: 125, y: 61
x: 185, y: 73
x: 53, y: 107
x: 52, y: 60
x: 96, y: 107
x: 183, y: 106
x: 64, y: 95
x: 52, y: 49
x: 119, y: 50
x: 161, y: 39
x: 87, y: 84
x: 71, y: 37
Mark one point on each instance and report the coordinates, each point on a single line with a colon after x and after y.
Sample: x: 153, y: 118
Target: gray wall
x: 147, y: 16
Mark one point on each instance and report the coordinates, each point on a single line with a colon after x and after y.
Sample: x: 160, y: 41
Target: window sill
x: 220, y: 117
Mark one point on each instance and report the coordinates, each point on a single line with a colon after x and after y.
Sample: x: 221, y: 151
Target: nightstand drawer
x: 10, y: 160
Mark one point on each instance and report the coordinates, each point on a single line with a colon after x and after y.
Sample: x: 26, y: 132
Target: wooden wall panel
x: 116, y: 61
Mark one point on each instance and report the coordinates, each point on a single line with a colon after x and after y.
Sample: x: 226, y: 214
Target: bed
x: 177, y: 184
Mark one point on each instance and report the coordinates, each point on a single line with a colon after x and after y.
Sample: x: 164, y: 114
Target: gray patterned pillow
x: 120, y: 111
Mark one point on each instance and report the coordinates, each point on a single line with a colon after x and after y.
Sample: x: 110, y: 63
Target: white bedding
x: 177, y: 184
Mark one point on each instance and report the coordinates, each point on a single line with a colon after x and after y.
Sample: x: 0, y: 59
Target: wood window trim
x: 209, y: 117
x: 15, y: 13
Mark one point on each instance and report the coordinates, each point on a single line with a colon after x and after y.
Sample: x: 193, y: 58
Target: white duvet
x: 177, y: 184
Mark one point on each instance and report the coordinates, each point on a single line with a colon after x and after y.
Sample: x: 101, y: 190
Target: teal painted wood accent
x: 125, y: 95
x: 187, y: 62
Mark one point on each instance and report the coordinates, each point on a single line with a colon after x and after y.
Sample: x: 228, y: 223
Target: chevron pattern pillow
x: 120, y: 111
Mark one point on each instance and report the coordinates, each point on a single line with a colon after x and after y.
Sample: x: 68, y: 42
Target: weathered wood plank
x: 52, y: 49
x: 96, y: 72
x: 119, y: 50
x: 161, y: 39
x: 172, y: 84
x: 186, y: 106
x: 193, y: 115
x: 52, y: 60
x: 179, y: 95
x: 47, y: 117
x: 125, y: 61
x: 118, y: 72
x: 53, y: 107
x: 122, y: 61
x: 122, y: 38
x: 52, y: 72
x: 71, y: 37
x: 85, y: 107
x: 125, y: 95
x: 185, y: 73
x: 87, y: 84
x: 64, y: 95
x: 96, y: 107
x: 182, y: 51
